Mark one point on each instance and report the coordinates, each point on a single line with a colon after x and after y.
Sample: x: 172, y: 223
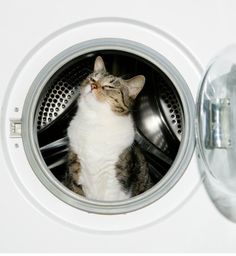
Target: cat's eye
x: 108, y: 87
x: 92, y: 80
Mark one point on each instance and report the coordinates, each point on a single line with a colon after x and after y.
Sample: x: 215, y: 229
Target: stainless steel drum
x: 157, y: 112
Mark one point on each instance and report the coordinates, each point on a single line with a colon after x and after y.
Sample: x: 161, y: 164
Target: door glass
x: 217, y: 119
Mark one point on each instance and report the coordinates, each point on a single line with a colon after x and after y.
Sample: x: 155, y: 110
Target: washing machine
x: 184, y: 116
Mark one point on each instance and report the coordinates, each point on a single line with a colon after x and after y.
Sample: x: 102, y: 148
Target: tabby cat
x: 104, y: 162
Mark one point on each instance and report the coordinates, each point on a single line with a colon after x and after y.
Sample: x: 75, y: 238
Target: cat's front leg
x: 73, y: 173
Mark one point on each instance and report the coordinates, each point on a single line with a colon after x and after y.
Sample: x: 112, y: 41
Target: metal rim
x: 37, y: 163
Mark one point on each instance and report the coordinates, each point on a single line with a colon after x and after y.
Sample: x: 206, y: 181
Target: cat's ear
x: 135, y: 85
x: 99, y: 65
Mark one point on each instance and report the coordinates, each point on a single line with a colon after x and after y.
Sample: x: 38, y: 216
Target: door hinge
x: 15, y: 128
x: 218, y: 130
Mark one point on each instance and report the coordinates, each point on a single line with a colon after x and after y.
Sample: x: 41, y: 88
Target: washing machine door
x: 216, y: 121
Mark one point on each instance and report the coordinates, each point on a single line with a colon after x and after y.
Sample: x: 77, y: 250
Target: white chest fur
x: 98, y: 136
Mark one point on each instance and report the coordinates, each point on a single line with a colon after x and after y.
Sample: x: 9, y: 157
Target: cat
x: 104, y: 162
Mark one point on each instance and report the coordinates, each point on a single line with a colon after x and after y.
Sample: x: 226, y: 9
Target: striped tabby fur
x: 104, y: 162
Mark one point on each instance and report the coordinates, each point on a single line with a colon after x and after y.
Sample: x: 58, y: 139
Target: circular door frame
x: 24, y: 177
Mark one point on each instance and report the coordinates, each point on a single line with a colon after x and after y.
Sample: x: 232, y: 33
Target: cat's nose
x: 94, y: 86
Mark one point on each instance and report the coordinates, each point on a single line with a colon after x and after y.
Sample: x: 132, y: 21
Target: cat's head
x: 115, y: 91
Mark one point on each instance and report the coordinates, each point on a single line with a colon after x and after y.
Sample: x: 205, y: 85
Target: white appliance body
x: 189, y: 34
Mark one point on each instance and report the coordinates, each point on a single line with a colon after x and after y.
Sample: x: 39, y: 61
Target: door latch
x: 15, y: 128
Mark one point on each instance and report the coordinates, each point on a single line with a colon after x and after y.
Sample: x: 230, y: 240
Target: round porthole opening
x: 161, y: 116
